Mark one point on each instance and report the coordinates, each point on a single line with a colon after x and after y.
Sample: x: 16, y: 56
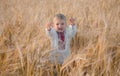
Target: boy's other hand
x: 49, y: 26
x: 72, y: 21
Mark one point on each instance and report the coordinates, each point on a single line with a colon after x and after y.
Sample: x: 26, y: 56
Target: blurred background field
x: 24, y: 46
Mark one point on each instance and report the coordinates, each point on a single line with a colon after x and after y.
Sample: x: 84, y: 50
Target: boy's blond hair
x: 60, y: 16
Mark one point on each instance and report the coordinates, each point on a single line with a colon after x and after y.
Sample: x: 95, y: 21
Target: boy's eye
x: 57, y: 24
x: 62, y: 23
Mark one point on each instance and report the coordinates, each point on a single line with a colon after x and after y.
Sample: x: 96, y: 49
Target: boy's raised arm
x: 49, y: 30
x: 72, y: 28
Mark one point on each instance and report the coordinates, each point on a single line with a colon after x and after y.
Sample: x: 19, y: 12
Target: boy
x: 60, y: 36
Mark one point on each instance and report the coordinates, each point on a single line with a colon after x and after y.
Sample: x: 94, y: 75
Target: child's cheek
x: 56, y: 28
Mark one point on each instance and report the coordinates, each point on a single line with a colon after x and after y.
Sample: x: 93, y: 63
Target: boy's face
x: 59, y: 24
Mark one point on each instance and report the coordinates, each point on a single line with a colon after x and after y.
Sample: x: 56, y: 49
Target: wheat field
x: 24, y: 46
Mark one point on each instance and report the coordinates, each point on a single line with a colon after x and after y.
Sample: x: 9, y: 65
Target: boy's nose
x: 59, y: 25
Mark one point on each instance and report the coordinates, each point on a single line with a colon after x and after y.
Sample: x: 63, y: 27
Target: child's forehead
x: 58, y: 20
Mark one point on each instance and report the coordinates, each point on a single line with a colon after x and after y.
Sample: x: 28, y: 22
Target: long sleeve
x: 50, y: 33
x: 72, y: 31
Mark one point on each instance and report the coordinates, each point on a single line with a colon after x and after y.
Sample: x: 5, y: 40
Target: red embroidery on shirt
x: 61, y: 40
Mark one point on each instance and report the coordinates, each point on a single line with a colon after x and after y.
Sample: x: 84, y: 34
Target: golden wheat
x: 24, y: 47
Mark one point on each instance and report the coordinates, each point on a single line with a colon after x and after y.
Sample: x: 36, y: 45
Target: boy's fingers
x: 72, y: 19
x: 51, y: 25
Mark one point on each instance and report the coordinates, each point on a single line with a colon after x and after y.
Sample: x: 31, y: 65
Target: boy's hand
x: 72, y: 21
x: 49, y: 26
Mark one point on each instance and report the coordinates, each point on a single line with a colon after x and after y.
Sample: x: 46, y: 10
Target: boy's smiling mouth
x: 60, y: 29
